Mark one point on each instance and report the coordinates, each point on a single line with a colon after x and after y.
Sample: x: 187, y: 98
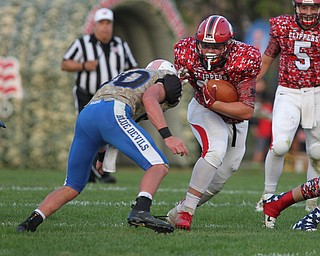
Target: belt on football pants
x: 234, y: 135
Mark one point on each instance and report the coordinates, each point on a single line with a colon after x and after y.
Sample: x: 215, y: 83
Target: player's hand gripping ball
x: 222, y: 90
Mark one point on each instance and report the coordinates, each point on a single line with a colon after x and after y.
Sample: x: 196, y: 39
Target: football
x: 225, y: 92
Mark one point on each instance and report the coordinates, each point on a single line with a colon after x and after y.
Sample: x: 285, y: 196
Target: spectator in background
x: 262, y: 127
x: 97, y: 58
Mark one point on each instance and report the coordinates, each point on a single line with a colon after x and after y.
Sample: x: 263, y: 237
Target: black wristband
x: 165, y: 132
x: 83, y: 66
x: 101, y: 156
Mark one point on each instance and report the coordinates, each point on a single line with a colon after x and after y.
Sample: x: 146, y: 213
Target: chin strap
x: 210, y: 57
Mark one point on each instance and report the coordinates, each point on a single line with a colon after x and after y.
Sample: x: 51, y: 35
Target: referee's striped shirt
x: 114, y: 58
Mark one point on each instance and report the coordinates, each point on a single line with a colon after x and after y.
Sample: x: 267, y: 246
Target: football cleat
x: 269, y: 222
x: 31, y: 223
x: 183, y: 220
x: 308, y: 222
x: 311, y: 204
x: 270, y: 212
x: 259, y: 205
x: 172, y: 215
x: 108, y: 178
x: 24, y: 227
x: 145, y: 219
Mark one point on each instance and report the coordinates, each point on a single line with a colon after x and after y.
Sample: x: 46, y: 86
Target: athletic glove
x: 183, y: 75
x: 209, y: 97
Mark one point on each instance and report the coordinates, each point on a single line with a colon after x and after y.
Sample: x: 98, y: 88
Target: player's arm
x: 270, y: 54
x: 151, y: 99
x: 266, y: 63
x: 237, y: 110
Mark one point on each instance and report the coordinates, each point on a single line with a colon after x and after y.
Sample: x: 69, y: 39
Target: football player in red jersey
x: 296, y: 39
x: 275, y: 204
x: 220, y: 128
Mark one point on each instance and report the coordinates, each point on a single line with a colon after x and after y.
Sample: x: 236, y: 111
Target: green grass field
x: 95, y: 222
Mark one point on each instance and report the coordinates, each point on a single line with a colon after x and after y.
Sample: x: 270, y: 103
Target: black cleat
x: 103, y: 178
x: 108, y: 178
x: 31, y: 223
x: 145, y: 219
x: 24, y: 227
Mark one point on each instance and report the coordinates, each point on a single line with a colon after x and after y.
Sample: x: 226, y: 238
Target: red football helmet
x: 214, y: 32
x: 306, y: 20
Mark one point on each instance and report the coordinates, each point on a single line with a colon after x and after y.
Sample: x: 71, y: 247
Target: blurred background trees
x: 240, y: 13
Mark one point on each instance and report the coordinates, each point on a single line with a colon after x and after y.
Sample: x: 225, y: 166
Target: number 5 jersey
x: 299, y: 65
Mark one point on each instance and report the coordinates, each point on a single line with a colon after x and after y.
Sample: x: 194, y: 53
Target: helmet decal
x: 160, y: 64
x: 210, y: 30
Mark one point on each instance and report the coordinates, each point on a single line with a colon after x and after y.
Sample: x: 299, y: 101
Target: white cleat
x: 259, y: 205
x: 172, y: 215
x: 269, y: 221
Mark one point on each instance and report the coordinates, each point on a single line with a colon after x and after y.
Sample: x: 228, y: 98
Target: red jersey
x: 299, y: 64
x: 243, y: 64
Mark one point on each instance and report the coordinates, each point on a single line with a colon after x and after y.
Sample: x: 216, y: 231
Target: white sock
x: 190, y: 203
x: 145, y: 194
x: 181, y: 205
x: 273, y: 171
x: 41, y: 214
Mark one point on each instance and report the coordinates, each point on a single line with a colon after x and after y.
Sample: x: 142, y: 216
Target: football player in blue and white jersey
x: 111, y: 118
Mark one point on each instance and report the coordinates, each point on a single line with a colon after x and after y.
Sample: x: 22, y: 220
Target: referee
x: 97, y: 58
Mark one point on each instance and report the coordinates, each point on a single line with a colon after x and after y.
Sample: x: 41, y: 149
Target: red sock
x: 273, y: 209
x: 286, y: 200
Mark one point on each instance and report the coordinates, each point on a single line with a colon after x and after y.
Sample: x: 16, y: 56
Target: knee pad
x: 280, y: 148
x: 214, y: 158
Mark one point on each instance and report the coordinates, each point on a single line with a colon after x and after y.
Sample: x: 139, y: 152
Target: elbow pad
x: 173, y: 89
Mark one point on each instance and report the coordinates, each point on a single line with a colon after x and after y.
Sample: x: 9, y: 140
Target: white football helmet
x: 161, y: 64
